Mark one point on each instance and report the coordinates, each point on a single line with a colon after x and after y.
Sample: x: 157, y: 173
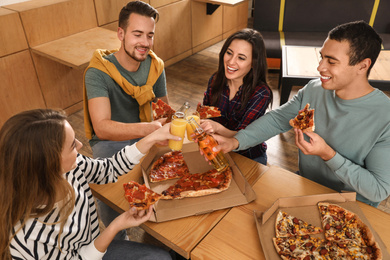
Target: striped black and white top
x: 38, y: 239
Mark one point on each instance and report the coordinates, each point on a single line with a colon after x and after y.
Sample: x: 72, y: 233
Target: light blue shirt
x: 358, y: 130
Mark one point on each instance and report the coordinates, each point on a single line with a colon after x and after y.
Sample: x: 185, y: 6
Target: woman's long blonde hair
x: 31, y: 178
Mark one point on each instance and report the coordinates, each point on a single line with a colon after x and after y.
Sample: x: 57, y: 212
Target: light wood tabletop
x: 181, y: 235
x: 236, y: 235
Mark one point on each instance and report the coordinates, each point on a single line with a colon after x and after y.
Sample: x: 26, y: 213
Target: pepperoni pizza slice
x: 199, y: 184
x: 207, y: 111
x: 162, y: 110
x: 169, y: 166
x: 139, y: 196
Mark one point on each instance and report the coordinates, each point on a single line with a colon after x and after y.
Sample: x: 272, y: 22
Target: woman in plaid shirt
x: 239, y: 88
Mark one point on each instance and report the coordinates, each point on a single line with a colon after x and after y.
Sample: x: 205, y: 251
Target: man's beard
x: 132, y: 56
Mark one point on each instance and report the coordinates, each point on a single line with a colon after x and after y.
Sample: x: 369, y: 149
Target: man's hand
x: 225, y: 144
x: 316, y: 146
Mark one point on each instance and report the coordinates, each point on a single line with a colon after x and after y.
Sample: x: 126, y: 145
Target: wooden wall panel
x: 205, y: 27
x: 62, y: 86
x: 111, y: 26
x: 19, y: 86
x: 234, y: 18
x: 173, y: 30
x: 12, y: 38
x: 108, y: 11
x: 160, y: 3
x: 51, y: 22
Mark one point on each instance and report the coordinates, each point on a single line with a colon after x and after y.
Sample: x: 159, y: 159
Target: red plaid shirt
x: 234, y: 119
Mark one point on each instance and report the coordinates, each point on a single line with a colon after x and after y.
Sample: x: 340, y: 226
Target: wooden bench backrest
x: 108, y: 11
x: 45, y: 21
x: 12, y: 38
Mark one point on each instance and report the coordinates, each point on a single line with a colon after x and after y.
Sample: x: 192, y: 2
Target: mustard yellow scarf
x: 143, y: 94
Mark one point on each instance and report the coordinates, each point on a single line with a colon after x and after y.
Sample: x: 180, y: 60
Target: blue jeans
x: 104, y: 149
x: 261, y: 159
x: 128, y: 250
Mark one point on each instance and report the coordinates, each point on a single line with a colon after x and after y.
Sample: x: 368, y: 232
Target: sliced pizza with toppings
x: 304, y: 120
x: 170, y: 165
x: 162, y: 110
x: 301, y: 247
x: 346, y: 237
x: 139, y: 196
x: 199, y: 184
x: 346, y: 229
x: 207, y: 111
x: 287, y: 225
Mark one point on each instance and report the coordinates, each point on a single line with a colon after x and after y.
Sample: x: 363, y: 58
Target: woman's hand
x: 210, y: 126
x: 132, y: 218
x: 160, y: 136
x: 128, y: 219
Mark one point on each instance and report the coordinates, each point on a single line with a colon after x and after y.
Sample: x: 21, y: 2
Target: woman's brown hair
x: 255, y: 77
x: 31, y: 179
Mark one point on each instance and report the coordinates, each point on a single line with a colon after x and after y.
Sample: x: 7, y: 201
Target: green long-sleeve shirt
x: 358, y: 130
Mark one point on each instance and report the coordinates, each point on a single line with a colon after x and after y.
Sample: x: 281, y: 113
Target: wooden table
x: 299, y: 66
x: 182, y: 235
x: 236, y: 236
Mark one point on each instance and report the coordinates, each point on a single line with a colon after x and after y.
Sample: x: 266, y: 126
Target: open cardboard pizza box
x: 239, y: 192
x: 305, y: 208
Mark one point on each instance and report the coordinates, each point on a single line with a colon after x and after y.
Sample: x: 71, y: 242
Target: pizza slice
x: 169, y: 166
x: 305, y: 247
x: 287, y: 225
x: 139, y: 196
x: 304, y: 120
x: 162, y: 110
x: 207, y: 111
x: 199, y: 184
x: 347, y: 230
x: 339, y: 224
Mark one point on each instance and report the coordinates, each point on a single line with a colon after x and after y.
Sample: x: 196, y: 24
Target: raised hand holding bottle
x: 206, y: 143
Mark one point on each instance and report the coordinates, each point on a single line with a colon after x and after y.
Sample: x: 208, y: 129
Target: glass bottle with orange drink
x: 206, y: 143
x: 178, y: 127
x: 190, y: 131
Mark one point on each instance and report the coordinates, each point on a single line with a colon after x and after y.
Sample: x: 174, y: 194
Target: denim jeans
x: 104, y: 149
x: 261, y: 159
x: 128, y: 250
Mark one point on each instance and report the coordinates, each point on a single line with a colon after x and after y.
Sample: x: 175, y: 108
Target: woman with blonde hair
x: 47, y: 208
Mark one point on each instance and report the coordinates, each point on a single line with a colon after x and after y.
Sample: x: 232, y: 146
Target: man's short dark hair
x: 363, y: 40
x: 137, y: 7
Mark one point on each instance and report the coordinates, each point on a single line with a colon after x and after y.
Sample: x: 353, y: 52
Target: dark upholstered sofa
x: 307, y: 22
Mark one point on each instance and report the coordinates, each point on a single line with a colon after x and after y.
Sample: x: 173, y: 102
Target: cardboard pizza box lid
x: 239, y: 192
x: 305, y: 208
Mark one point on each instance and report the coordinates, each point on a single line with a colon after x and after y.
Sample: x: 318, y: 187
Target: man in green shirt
x: 350, y: 148
x: 121, y: 84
